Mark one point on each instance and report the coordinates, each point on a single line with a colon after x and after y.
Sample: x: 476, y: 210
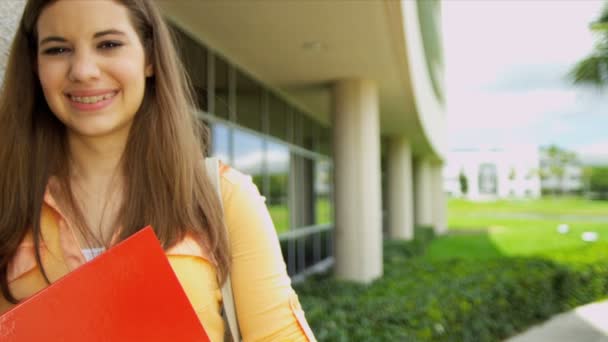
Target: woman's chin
x: 99, y: 130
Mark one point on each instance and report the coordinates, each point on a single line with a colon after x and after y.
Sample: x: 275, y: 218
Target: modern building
x: 336, y: 110
x: 493, y: 173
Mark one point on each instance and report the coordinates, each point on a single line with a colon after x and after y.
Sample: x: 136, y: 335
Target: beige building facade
x: 319, y: 100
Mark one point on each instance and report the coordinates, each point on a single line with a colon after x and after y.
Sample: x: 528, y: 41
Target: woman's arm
x: 267, y: 307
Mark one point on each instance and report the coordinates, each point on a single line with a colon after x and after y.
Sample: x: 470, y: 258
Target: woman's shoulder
x: 232, y: 175
x: 232, y: 180
x: 240, y: 195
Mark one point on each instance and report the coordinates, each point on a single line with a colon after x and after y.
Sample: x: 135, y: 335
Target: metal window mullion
x: 330, y: 243
x: 232, y: 103
x: 302, y: 254
x: 298, y: 150
x: 264, y: 118
x: 289, y: 123
x: 230, y: 145
x: 265, y: 106
x: 305, y: 230
x: 265, y: 174
x: 211, y: 82
x: 292, y: 206
x: 291, y: 257
x: 316, y: 248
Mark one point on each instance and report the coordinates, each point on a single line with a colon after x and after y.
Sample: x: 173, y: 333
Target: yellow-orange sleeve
x: 267, y: 306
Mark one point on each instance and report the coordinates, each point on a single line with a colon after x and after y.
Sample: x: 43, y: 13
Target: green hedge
x: 453, y: 300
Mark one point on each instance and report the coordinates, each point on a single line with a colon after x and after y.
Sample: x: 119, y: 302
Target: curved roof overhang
x: 301, y: 47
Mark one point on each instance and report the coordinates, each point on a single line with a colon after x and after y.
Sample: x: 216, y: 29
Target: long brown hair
x: 165, y: 181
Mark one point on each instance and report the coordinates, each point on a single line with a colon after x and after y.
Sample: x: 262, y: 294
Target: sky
x: 506, y: 66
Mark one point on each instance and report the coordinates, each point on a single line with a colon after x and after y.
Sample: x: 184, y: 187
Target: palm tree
x: 593, y: 70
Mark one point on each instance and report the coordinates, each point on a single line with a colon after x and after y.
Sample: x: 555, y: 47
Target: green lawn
x: 280, y: 214
x: 520, y: 228
x: 548, y: 206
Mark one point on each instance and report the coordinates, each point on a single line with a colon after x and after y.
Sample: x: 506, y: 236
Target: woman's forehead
x: 83, y: 18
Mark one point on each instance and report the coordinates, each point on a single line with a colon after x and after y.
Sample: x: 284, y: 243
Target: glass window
x: 295, y: 136
x: 194, y: 57
x: 323, y: 192
x: 277, y: 196
x: 488, y: 182
x: 308, y: 132
x: 324, y: 144
x: 278, y: 118
x: 302, y: 196
x: 248, y: 103
x: 249, y: 155
x: 221, y: 89
x: 220, y: 142
x: 206, y: 136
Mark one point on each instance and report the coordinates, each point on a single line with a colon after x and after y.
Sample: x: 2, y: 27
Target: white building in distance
x: 494, y: 173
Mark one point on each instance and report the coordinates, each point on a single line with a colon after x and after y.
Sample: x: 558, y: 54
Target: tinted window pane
x: 194, y: 58
x: 323, y: 192
x: 221, y: 88
x: 249, y: 103
x: 307, y: 133
x: 220, y: 142
x: 277, y: 118
x: 324, y: 143
x: 248, y: 155
x: 302, y: 171
x: 277, y: 198
x: 296, y: 128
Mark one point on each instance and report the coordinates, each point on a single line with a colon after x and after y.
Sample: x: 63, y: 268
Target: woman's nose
x: 83, y: 67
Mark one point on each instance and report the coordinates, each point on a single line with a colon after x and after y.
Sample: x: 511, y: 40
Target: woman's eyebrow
x: 96, y: 35
x: 52, y: 39
x: 106, y: 32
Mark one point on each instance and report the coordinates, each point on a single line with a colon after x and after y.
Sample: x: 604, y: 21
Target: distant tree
x: 598, y: 181
x: 464, y: 183
x: 593, y: 69
x: 557, y: 161
x: 587, y: 178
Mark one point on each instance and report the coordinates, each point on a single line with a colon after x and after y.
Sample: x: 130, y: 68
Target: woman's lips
x: 91, y: 100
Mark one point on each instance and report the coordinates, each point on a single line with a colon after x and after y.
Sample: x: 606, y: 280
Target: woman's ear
x: 149, y: 71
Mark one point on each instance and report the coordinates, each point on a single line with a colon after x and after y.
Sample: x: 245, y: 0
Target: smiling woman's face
x: 91, y: 65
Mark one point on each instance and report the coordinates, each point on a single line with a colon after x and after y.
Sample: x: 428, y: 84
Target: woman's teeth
x: 91, y: 99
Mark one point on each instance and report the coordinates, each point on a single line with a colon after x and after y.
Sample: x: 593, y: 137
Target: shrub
x: 449, y: 300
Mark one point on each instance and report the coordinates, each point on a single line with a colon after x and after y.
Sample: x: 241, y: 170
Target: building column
x: 301, y: 186
x: 439, y: 200
x: 423, y: 178
x: 400, y: 189
x: 356, y: 134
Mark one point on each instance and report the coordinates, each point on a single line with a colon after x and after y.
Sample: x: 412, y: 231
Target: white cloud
x: 482, y: 38
x: 277, y: 160
x: 506, y: 65
x: 504, y: 110
x: 594, y: 153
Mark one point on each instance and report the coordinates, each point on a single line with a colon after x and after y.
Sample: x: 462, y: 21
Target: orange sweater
x: 267, y: 307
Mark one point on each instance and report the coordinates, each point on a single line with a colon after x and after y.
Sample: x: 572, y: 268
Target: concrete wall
x: 10, y: 13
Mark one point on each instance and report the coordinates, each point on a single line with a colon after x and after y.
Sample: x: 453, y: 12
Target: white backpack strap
x: 213, y: 172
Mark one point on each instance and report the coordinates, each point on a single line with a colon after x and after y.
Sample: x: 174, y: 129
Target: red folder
x: 130, y: 293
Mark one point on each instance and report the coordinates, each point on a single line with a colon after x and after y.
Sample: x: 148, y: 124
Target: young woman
x: 97, y: 140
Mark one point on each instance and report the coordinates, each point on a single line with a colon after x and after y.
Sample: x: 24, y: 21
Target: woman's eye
x: 55, y: 51
x: 109, y: 45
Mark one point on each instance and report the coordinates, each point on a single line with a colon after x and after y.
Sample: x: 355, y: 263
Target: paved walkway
x: 588, y: 323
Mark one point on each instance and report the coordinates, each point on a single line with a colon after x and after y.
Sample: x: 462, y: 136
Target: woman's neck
x: 95, y: 161
x: 96, y: 183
